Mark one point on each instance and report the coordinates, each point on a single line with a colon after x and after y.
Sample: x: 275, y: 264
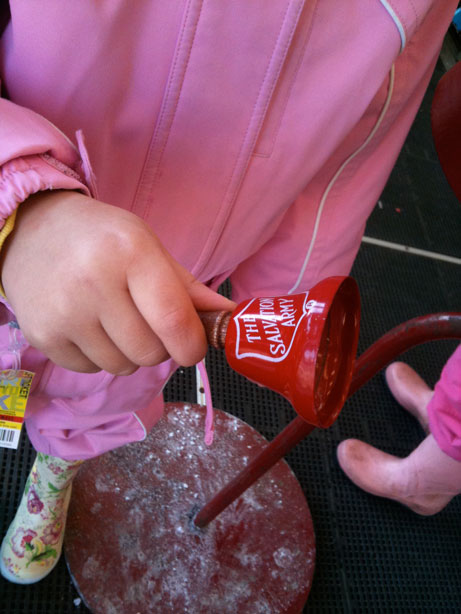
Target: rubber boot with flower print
x: 33, y: 543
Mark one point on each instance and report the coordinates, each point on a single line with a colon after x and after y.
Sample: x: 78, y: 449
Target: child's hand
x: 93, y: 288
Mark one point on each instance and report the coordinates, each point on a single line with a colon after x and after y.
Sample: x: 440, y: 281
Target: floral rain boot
x: 33, y: 543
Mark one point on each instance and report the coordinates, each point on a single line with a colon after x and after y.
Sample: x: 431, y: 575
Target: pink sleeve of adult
x: 445, y: 408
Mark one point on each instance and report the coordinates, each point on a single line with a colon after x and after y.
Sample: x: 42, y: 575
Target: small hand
x: 93, y: 288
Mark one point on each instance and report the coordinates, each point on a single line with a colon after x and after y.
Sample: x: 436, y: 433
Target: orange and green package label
x: 14, y: 392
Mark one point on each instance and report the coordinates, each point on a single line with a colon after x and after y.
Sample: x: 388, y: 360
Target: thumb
x: 202, y: 297
x: 205, y: 299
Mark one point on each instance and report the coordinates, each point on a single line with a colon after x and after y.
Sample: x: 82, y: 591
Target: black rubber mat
x: 372, y: 554
x: 417, y: 207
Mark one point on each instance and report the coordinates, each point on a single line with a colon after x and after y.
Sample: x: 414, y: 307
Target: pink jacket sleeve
x: 34, y: 156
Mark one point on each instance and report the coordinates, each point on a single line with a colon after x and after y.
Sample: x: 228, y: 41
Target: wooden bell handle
x: 215, y: 324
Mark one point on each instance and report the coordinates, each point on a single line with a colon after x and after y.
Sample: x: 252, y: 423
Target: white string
x: 337, y: 174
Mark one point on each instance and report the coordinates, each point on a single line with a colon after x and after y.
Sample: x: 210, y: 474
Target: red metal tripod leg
x: 402, y: 338
x: 295, y: 432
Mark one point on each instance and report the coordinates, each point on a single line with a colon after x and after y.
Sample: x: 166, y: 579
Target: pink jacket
x: 254, y: 137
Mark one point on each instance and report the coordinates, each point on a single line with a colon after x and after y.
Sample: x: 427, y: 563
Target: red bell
x: 302, y: 346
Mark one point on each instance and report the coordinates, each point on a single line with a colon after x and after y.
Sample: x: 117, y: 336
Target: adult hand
x: 93, y: 288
